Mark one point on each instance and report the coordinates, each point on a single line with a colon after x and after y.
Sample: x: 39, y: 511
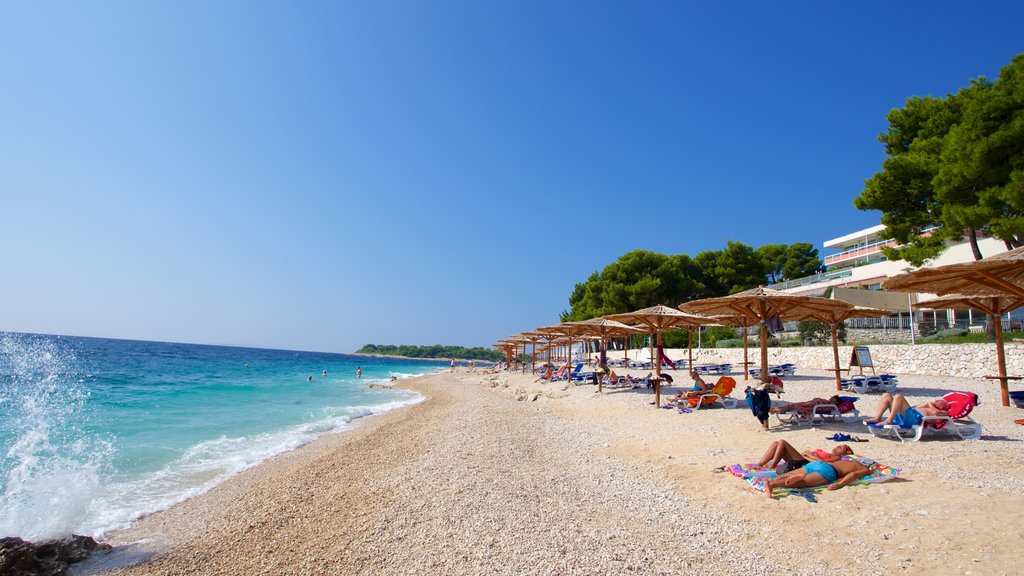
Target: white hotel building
x: 857, y: 269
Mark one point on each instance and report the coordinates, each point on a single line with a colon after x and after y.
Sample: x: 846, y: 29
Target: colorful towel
x: 756, y: 476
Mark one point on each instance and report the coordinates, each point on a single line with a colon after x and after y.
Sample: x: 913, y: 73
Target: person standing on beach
x: 359, y: 371
x: 453, y: 365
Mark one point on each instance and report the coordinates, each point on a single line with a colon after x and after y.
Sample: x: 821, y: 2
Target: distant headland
x: 436, y: 352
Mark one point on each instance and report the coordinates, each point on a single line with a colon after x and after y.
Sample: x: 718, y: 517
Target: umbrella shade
x: 995, y: 306
x: 1000, y: 274
x: 764, y: 303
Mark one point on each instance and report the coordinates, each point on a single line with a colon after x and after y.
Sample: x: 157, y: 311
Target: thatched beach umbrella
x: 658, y: 319
x: 1000, y: 274
x: 533, y: 338
x: 604, y: 328
x: 994, y: 306
x: 569, y: 331
x: 507, y: 348
x: 833, y: 318
x: 762, y: 304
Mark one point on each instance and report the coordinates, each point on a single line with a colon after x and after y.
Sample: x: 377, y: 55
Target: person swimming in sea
x: 309, y: 378
x: 325, y: 373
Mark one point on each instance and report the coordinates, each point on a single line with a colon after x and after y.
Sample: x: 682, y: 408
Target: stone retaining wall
x: 967, y: 360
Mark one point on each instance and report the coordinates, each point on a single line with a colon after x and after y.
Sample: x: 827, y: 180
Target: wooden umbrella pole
x: 997, y: 323
x: 835, y: 357
x: 746, y: 363
x: 764, y: 352
x: 689, y: 347
x: 657, y: 376
x: 599, y: 379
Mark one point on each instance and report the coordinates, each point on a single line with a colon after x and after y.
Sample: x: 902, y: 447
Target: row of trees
x: 954, y: 166
x: 642, y: 278
x: 435, y: 351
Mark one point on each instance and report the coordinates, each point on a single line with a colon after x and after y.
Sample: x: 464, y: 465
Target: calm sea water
x: 95, y: 433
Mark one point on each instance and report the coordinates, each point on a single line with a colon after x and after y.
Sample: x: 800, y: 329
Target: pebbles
x: 526, y: 478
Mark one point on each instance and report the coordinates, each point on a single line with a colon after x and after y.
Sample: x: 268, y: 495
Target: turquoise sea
x: 95, y: 433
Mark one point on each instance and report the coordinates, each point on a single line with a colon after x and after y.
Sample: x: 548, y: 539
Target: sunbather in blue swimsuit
x: 826, y: 470
x: 912, y: 417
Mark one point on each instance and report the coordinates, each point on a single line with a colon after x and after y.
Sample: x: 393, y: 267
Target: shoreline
x: 497, y: 474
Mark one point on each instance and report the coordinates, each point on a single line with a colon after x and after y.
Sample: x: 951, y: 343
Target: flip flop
x: 839, y: 437
x: 719, y: 469
x: 858, y: 439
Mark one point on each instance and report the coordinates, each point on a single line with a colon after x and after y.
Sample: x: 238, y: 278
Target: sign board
x: 861, y: 357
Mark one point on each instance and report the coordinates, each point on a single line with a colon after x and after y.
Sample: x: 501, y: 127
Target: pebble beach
x: 498, y: 474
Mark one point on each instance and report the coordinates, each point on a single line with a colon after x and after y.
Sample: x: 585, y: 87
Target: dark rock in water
x: 21, y: 558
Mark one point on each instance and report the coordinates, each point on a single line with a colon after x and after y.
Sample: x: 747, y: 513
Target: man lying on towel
x: 792, y: 459
x: 817, y: 473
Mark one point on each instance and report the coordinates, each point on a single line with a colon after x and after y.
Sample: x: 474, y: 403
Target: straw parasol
x: 533, y: 338
x: 566, y: 329
x: 604, y: 328
x: 507, y: 348
x: 833, y: 318
x: 659, y: 319
x: 994, y: 306
x: 1000, y: 274
x: 762, y: 304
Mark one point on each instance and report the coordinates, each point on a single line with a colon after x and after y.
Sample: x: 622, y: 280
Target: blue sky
x: 320, y: 175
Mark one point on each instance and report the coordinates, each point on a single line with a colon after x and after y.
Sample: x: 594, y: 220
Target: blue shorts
x: 912, y: 417
x: 824, y: 469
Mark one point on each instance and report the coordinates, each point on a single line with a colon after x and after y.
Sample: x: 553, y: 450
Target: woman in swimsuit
x: 780, y: 450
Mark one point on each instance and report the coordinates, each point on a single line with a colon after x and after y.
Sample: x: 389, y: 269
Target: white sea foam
x: 51, y: 469
x: 209, y: 463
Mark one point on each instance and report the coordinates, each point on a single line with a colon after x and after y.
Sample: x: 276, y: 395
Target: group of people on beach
x: 812, y: 468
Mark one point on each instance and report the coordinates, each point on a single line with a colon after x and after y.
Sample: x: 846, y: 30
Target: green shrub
x: 729, y: 343
x: 791, y: 343
x: 951, y: 332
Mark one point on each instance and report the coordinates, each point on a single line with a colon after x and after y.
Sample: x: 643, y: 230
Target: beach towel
x: 756, y: 476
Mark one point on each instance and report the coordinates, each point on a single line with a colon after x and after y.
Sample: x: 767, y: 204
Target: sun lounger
x: 575, y: 372
x: 868, y: 384
x: 958, y: 423
x: 777, y: 370
x: 719, y: 394
x: 845, y: 411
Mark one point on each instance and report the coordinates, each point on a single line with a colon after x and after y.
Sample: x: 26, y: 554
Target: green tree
x: 801, y: 259
x: 773, y: 258
x: 981, y: 176
x: 638, y: 279
x: 954, y: 165
x: 820, y: 332
x: 737, y: 268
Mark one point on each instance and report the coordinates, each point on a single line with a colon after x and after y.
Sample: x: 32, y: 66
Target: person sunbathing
x: 782, y: 451
x: 903, y: 414
x: 804, y: 409
x: 699, y: 387
x: 547, y: 375
x: 816, y: 473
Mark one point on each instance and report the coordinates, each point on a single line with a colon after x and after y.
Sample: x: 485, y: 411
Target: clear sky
x: 320, y: 175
